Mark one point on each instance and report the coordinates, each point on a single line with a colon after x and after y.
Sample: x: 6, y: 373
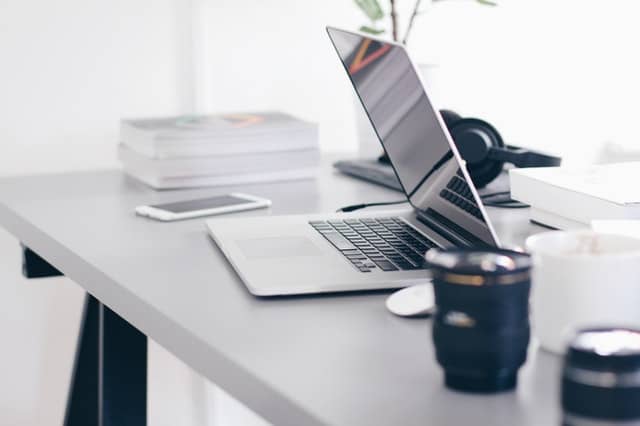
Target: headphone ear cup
x: 450, y: 118
x: 474, y: 139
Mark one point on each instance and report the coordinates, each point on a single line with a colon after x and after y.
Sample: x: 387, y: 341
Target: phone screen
x: 202, y: 204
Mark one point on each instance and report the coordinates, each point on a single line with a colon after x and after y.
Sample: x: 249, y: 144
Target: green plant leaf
x: 371, y: 8
x: 370, y: 30
x: 487, y: 2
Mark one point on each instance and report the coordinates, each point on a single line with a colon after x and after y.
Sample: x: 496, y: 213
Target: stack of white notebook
x: 573, y: 197
x: 191, y: 151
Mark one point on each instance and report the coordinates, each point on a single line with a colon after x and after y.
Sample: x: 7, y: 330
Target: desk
x: 341, y: 360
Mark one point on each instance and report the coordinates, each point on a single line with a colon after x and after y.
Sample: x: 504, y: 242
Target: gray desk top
x: 307, y: 360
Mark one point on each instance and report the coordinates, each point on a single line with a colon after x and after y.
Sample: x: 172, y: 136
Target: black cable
x: 362, y: 206
x: 505, y: 203
x: 507, y: 206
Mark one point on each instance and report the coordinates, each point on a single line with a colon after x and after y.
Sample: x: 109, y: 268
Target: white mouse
x: 414, y: 301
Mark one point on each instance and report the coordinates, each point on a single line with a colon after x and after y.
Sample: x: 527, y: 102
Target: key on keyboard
x: 389, y: 243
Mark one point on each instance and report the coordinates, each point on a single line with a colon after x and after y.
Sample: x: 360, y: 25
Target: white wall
x: 72, y: 68
x: 276, y: 55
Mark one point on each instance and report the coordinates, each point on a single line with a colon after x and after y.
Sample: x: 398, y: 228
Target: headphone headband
x: 482, y: 147
x: 522, y: 157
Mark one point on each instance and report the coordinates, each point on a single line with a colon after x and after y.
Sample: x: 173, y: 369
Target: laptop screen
x: 414, y: 137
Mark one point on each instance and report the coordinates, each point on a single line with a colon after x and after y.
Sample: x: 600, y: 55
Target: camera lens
x: 481, y: 324
x: 601, y: 378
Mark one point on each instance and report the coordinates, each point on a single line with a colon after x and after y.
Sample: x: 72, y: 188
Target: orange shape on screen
x: 362, y: 59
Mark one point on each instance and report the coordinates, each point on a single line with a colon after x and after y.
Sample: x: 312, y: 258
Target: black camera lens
x: 481, y: 324
x: 601, y: 378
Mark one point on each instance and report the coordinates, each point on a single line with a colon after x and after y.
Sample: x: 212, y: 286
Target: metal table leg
x: 122, y: 387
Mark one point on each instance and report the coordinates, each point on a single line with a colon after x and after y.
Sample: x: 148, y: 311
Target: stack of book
x: 192, y: 151
x: 574, y: 197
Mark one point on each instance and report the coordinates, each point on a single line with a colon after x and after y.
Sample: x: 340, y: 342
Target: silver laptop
x: 283, y: 255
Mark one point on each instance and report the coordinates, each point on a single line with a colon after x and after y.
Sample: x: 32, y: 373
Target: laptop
x: 298, y: 254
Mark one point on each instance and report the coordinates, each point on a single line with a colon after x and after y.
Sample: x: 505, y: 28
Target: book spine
x: 166, y: 149
x: 249, y: 132
x: 202, y: 181
x: 218, y: 165
x: 554, y: 221
x: 563, y: 202
x: 297, y: 141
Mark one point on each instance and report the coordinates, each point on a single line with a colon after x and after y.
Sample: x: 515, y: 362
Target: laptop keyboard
x: 459, y: 194
x: 388, y: 244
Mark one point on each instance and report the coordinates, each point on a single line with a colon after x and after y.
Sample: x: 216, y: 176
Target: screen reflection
x: 412, y: 135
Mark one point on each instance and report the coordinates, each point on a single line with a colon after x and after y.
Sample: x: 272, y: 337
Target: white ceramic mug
x: 582, y: 279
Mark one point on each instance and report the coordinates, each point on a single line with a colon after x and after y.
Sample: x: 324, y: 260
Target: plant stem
x: 394, y: 20
x: 415, y: 13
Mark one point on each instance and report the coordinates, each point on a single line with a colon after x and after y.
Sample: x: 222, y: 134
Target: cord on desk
x: 515, y: 205
x: 365, y: 205
x: 506, y: 203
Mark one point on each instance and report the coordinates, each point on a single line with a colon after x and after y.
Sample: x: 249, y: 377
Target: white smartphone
x: 228, y: 203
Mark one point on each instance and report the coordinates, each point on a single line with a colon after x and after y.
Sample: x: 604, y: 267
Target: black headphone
x: 484, y: 151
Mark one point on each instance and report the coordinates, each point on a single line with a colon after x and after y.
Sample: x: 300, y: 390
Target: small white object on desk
x: 414, y: 301
x: 188, y: 209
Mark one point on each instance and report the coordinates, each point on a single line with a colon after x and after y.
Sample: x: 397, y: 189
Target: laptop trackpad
x: 265, y: 248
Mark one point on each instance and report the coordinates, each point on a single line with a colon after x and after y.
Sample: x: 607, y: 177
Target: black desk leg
x: 33, y: 266
x: 109, y: 380
x: 122, y: 389
x: 109, y: 383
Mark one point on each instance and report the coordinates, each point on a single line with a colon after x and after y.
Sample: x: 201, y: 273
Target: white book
x: 295, y: 140
x: 630, y: 228
x: 158, y: 182
x: 553, y: 220
x: 218, y: 165
x: 580, y: 194
x: 218, y: 134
